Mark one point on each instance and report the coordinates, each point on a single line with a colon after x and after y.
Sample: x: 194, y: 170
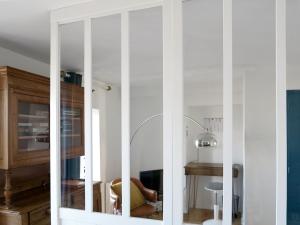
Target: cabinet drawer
x: 40, y: 216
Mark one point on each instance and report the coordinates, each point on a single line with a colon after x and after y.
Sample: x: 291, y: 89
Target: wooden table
x: 195, y: 169
x: 207, y: 169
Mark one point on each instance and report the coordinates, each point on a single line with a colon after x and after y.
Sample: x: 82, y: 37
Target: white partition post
x: 281, y: 115
x: 125, y: 110
x: 227, y: 111
x: 88, y: 115
x: 173, y: 112
x: 55, y: 123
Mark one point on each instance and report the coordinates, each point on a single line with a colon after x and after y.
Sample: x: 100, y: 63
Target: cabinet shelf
x: 33, y: 116
x: 69, y: 118
x: 70, y: 135
x: 46, y: 136
x: 31, y: 149
x: 32, y: 137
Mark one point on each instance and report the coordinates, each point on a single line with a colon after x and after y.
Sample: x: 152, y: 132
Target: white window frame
x: 281, y: 114
x: 172, y: 109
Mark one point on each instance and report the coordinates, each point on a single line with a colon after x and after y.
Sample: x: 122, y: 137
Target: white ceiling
x: 25, y: 29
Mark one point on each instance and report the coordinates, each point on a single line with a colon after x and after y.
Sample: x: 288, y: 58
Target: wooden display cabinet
x: 25, y: 128
x: 25, y: 117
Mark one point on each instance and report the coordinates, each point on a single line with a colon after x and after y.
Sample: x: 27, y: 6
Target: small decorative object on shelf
x: 72, y: 77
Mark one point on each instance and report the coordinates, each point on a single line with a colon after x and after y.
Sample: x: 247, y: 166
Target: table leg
x: 189, y: 193
x: 194, y: 200
x: 196, y: 191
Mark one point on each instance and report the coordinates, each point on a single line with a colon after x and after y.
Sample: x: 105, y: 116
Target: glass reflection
x: 146, y: 108
x: 106, y: 114
x: 203, y: 110
x: 72, y: 117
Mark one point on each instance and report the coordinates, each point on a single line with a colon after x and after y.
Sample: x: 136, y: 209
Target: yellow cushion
x: 136, y: 197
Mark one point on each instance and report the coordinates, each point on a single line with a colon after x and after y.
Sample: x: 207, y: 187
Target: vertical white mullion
x: 281, y: 115
x: 173, y: 112
x: 88, y: 115
x: 55, y: 124
x: 167, y: 114
x: 125, y: 108
x: 244, y: 207
x: 227, y: 111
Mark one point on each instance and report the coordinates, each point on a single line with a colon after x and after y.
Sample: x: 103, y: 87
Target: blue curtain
x: 293, y: 141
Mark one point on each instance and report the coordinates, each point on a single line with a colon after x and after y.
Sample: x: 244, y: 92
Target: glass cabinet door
x: 33, y: 126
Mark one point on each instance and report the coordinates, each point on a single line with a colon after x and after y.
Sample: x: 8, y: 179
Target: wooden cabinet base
x: 13, y: 218
x: 35, y: 208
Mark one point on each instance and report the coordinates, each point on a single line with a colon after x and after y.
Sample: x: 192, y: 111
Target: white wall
x: 109, y: 104
x: 293, y: 78
x: 113, y: 127
x: 99, y: 102
x: 147, y: 146
x: 10, y: 58
x: 260, y: 147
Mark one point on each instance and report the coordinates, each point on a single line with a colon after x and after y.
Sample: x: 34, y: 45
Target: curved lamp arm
x: 158, y: 115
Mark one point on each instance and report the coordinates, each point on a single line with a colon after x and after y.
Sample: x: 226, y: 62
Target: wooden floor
x: 196, y: 216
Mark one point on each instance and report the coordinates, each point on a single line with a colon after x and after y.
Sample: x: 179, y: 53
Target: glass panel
x: 293, y: 110
x: 71, y: 127
x: 203, y: 112
x: 254, y: 113
x: 72, y: 114
x: 146, y: 107
x: 106, y: 120
x: 33, y: 126
x: 238, y: 149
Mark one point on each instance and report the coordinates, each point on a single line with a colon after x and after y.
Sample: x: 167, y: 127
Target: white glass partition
x: 236, y: 114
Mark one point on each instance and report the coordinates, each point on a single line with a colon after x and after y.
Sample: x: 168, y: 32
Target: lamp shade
x: 206, y: 140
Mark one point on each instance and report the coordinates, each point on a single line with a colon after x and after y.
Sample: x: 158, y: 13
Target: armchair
x: 145, y: 210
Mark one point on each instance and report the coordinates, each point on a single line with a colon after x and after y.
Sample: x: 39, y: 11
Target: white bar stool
x: 215, y: 187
